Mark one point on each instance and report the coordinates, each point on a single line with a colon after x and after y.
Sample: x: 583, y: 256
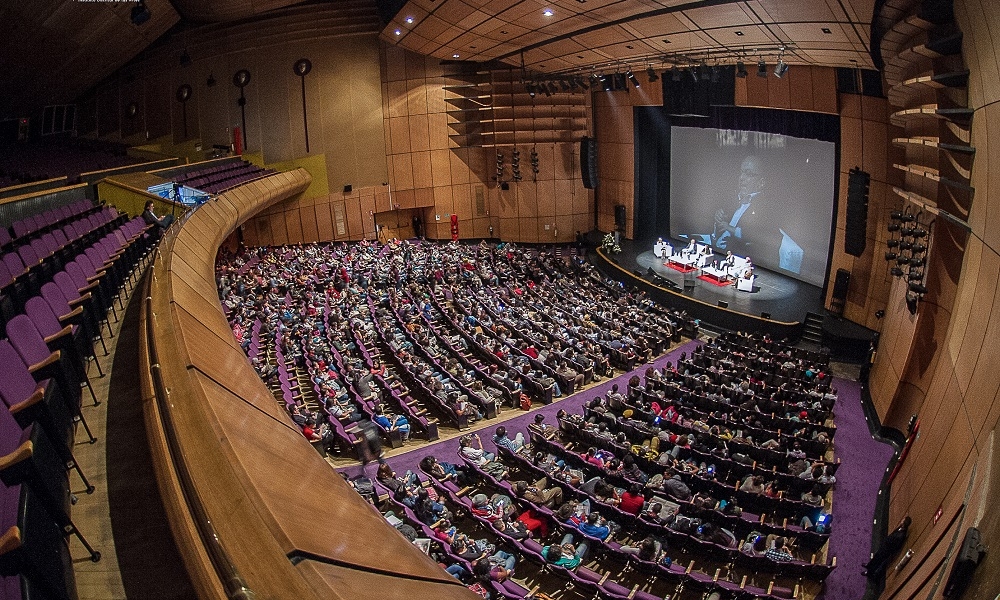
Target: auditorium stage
x: 787, y: 300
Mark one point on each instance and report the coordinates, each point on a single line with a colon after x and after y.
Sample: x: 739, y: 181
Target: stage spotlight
x: 892, y: 243
x: 890, y: 256
x: 705, y: 73
x: 741, y: 69
x: 675, y: 74
x: 694, y: 73
x: 531, y: 89
x: 915, y: 276
x: 917, y: 262
x: 902, y: 260
x: 893, y: 227
x: 545, y: 88
x: 911, y: 303
x: 563, y: 85
x: 896, y: 271
x: 582, y: 82
x: 918, y: 288
x: 919, y: 233
x: 780, y: 69
x: 594, y: 80
x: 631, y: 77
x: 761, y: 68
x: 904, y: 245
x: 896, y: 215
x: 715, y: 73
x: 651, y: 74
x: 908, y: 218
x: 918, y: 248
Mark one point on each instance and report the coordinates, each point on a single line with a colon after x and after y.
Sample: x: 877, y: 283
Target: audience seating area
x: 359, y: 339
x: 216, y: 179
x: 61, y: 275
x: 58, y: 156
x: 659, y: 516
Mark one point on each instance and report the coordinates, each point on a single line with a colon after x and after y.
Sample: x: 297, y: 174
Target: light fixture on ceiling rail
x: 761, y: 67
x: 675, y: 74
x: 741, y: 69
x: 780, y: 68
x: 631, y: 78
x: 651, y: 74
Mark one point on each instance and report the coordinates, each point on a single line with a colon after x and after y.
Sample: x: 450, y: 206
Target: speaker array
x: 856, y: 227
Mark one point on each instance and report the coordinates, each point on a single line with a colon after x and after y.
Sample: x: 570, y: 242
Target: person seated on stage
x: 691, y: 247
x: 730, y: 260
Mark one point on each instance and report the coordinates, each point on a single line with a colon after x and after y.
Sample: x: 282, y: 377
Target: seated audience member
x: 471, y: 447
x: 566, y: 554
x: 500, y: 439
x: 539, y: 493
x: 649, y: 549
x: 632, y: 500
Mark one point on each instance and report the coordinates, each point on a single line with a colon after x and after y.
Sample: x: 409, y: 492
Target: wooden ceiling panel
x: 660, y: 25
x: 724, y: 15
x: 743, y: 36
x: 784, y: 11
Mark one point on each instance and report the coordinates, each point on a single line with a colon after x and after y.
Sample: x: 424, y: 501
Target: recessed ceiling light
x: 826, y: 30
x: 666, y: 41
x: 454, y: 56
x: 503, y: 32
x: 473, y: 47
x: 739, y: 33
x: 548, y: 12
x: 579, y: 56
x: 409, y: 20
x: 630, y: 46
x: 398, y: 32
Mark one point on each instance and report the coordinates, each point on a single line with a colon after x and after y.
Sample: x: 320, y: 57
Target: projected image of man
x: 749, y: 226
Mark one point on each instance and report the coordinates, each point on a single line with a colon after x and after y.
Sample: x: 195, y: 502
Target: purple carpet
x: 863, y: 463
x: 858, y: 477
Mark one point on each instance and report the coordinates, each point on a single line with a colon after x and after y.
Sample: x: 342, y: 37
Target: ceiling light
x: 651, y: 74
x: 454, y: 56
x: 547, y: 12
x: 398, y: 32
x: 826, y: 30
x: 631, y: 77
x: 409, y: 20
x: 761, y: 68
x: 739, y: 33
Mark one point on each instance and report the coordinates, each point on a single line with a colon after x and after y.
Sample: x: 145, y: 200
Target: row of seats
x: 43, y: 367
x: 59, y: 157
x: 24, y: 229
x: 220, y: 178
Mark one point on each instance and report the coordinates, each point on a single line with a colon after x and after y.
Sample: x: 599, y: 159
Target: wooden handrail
x: 251, y: 504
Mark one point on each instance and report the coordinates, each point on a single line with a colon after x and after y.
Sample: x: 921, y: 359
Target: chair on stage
x: 745, y: 284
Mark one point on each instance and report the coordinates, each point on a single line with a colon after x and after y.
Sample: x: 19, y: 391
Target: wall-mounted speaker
x: 966, y: 562
x: 723, y: 304
x: 588, y: 162
x: 841, y: 284
x: 856, y: 222
x: 620, y: 217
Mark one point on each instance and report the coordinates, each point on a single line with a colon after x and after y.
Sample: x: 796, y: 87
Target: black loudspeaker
x: 856, y: 225
x: 348, y: 188
x: 588, y: 162
x: 765, y: 315
x: 620, y: 216
x: 723, y: 304
x: 841, y: 284
x: 965, y: 563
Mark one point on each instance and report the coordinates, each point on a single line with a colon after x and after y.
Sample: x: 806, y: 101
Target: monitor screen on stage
x: 762, y: 195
